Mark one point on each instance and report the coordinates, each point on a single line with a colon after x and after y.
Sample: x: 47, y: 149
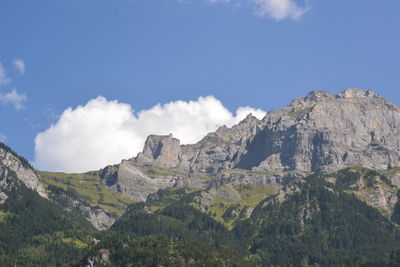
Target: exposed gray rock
x: 96, y: 216
x: 163, y: 151
x: 324, y: 132
x: 110, y: 175
x: 321, y: 132
x: 134, y: 182
x: 377, y: 191
x: 395, y: 180
x: 7, y: 183
x: 221, y: 149
x: 9, y: 162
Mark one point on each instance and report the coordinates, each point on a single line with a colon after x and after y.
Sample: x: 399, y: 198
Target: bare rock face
x: 137, y: 182
x: 7, y: 183
x: 221, y: 149
x: 321, y: 132
x: 100, y: 219
x: 11, y: 167
x: 324, y: 132
x: 133, y: 182
x: 163, y: 151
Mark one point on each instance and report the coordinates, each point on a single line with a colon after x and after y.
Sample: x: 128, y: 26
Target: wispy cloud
x: 280, y: 9
x: 14, y: 98
x: 3, y: 137
x: 274, y: 9
x: 19, y: 65
x: 3, y: 76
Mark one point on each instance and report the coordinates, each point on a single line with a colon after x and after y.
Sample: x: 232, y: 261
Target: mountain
x: 72, y: 191
x: 315, y: 183
x: 315, y: 222
x: 321, y: 132
x: 34, y: 230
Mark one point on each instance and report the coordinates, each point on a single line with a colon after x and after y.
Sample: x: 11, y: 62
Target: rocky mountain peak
x: 250, y: 119
x: 358, y: 93
x: 315, y: 97
x: 161, y: 150
x: 321, y: 132
x: 310, y: 99
x: 316, y: 133
x: 326, y: 132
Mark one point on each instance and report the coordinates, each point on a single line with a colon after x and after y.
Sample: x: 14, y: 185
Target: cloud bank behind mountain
x: 104, y: 132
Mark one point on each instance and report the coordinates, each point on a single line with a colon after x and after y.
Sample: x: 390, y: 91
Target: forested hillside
x: 319, y: 223
x: 36, y: 232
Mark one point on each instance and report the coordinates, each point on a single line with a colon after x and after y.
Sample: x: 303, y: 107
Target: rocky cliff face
x: 163, y: 151
x: 324, y: 132
x: 100, y: 219
x: 14, y: 170
x: 320, y: 132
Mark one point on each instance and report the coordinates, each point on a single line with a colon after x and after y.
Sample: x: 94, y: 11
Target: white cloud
x: 3, y: 137
x: 104, y: 132
x: 279, y: 9
x: 19, y: 65
x: 3, y: 76
x: 14, y: 98
x: 275, y: 9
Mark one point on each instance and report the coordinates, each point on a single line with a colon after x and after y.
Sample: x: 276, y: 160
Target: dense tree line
x: 34, y: 231
x: 318, y: 225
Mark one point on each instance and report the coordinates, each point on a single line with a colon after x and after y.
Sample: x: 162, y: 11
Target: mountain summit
x: 318, y: 133
x: 321, y: 132
x: 315, y: 182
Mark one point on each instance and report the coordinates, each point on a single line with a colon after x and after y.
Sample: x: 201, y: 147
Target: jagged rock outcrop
x: 7, y: 183
x: 321, y: 132
x: 12, y: 167
x: 136, y: 184
x: 324, y: 132
x: 100, y: 219
x: 221, y: 149
x: 162, y: 151
x: 136, y: 181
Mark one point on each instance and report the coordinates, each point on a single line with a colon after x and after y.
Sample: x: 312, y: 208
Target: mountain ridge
x: 238, y: 194
x: 320, y: 132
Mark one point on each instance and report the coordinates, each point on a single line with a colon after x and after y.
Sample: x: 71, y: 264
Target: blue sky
x: 145, y: 52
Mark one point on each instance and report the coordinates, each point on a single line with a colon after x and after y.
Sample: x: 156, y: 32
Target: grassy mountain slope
x: 318, y: 223
x: 347, y: 218
x: 86, y: 187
